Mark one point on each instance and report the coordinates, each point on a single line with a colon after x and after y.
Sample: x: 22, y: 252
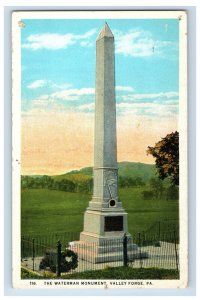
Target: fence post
x: 175, y: 248
x: 33, y: 252
x: 159, y: 231
x: 58, y: 271
x: 22, y: 248
x: 125, y: 254
x: 139, y: 240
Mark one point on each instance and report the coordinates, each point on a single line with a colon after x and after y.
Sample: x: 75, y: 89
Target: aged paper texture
x: 99, y: 149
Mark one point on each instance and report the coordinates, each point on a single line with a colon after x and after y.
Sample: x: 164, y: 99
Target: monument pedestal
x: 100, y: 226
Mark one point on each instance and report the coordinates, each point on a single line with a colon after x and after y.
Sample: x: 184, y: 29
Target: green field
x: 46, y: 211
x: 110, y: 273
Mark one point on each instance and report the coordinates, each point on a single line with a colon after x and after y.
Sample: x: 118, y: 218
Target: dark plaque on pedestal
x: 114, y: 223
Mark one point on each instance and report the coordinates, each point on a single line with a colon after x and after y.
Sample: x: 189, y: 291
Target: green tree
x: 172, y: 193
x: 66, y: 185
x: 139, y: 181
x: 121, y: 181
x: 166, y: 153
x: 147, y: 195
x: 157, y: 187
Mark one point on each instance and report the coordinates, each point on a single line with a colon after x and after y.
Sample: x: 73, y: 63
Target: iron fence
x: 162, y: 249
x: 51, y: 239
x: 139, y: 251
x: 162, y: 228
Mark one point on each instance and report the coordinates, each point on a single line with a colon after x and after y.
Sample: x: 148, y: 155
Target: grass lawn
x: 125, y: 273
x: 112, y: 273
x: 142, y: 214
x: 45, y: 211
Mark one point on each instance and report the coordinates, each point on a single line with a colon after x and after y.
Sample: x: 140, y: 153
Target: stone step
x: 94, y: 257
x: 96, y: 253
x: 107, y: 248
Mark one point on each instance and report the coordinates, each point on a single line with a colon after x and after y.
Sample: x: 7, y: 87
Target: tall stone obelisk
x: 105, y: 219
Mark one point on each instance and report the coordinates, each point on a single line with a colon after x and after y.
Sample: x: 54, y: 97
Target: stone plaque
x: 114, y: 223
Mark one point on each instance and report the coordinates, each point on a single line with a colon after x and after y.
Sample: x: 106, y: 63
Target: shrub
x: 147, y: 195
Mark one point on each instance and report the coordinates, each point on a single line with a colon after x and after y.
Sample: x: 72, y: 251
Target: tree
x: 66, y: 185
x: 157, y: 187
x: 139, y: 181
x: 166, y: 153
x: 147, y: 195
x: 172, y: 193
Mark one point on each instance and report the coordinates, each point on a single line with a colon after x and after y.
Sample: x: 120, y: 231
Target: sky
x: 58, y: 90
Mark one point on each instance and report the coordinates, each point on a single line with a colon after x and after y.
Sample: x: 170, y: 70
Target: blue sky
x: 58, y: 64
x: 58, y: 89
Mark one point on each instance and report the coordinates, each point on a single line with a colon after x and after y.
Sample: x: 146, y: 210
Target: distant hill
x: 126, y: 169
x: 73, y: 176
x: 133, y: 169
x: 130, y: 174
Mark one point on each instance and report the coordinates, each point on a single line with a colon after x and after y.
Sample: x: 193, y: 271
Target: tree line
x: 66, y: 185
x: 155, y: 188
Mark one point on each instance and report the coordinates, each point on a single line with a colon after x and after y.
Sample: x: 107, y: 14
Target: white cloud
x: 40, y: 83
x: 144, y: 105
x: 133, y: 44
x: 140, y: 43
x: 86, y: 44
x: 161, y: 104
x: 48, y: 41
x: 87, y: 107
x: 73, y: 94
x: 37, y: 84
x: 149, y: 109
x: 171, y: 94
x: 88, y: 34
x: 136, y: 105
x: 40, y: 102
x: 60, y: 86
x: 124, y: 88
x: 51, y: 101
x: 172, y: 101
x: 54, y: 41
x: 151, y: 97
x: 44, y: 97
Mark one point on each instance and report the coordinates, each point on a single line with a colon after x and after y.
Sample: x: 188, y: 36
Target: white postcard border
x: 16, y: 138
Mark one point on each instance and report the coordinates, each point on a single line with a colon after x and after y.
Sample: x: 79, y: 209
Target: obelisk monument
x: 105, y: 219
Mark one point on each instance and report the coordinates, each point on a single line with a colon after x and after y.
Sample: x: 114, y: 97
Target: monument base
x: 106, y: 250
